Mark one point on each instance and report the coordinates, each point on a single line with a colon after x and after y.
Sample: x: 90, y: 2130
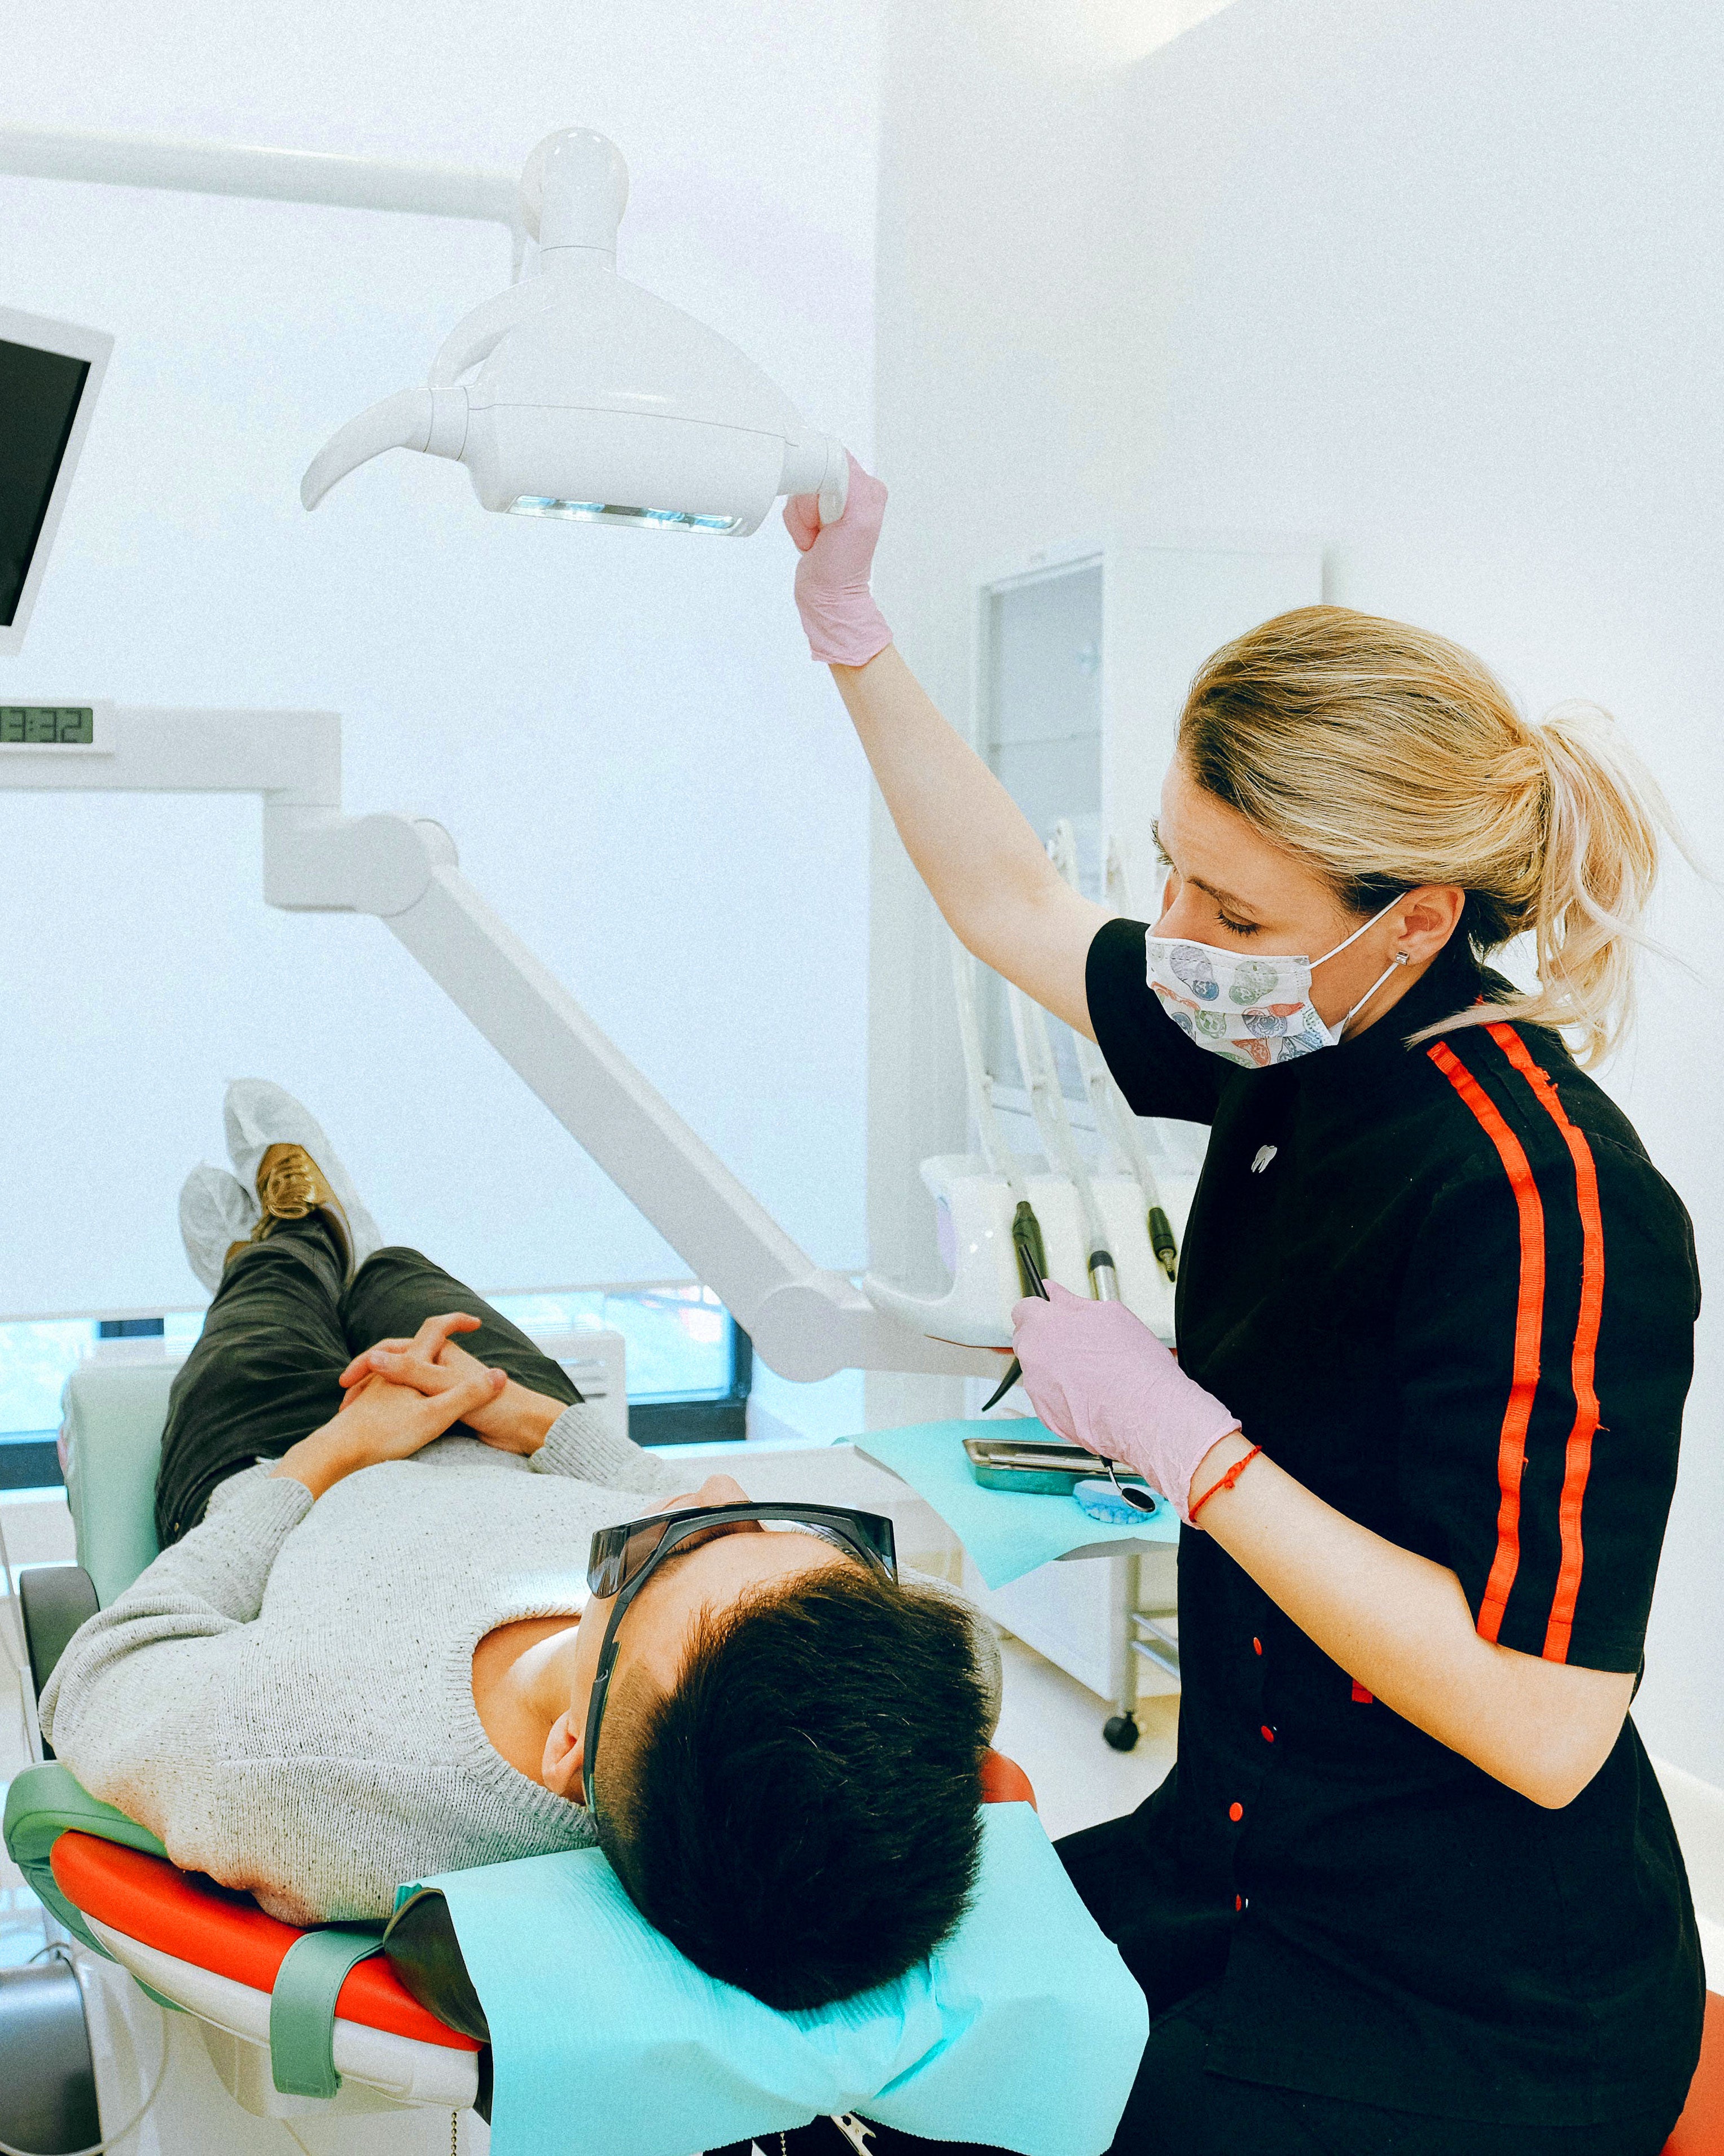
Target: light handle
x: 820, y: 465
x: 433, y: 420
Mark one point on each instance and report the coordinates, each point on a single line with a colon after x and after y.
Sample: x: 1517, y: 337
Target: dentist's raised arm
x: 971, y: 842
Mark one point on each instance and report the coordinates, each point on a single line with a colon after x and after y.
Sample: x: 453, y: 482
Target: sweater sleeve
x: 129, y: 1699
x: 582, y: 1444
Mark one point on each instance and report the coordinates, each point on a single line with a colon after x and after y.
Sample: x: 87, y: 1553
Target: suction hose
x: 433, y: 420
x: 1026, y: 1229
x: 1114, y: 1123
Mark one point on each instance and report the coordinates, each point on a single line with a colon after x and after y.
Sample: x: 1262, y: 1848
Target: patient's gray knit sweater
x: 286, y: 1696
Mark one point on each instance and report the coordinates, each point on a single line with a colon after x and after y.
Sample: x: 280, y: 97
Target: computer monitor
x: 49, y: 374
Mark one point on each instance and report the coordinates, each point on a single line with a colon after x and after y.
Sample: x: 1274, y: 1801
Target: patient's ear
x: 561, y: 1770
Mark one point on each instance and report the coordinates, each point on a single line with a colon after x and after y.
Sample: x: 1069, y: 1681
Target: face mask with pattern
x: 1255, y: 1011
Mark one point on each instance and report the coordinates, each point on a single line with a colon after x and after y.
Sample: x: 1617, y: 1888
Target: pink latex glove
x: 1099, y: 1376
x: 844, y: 626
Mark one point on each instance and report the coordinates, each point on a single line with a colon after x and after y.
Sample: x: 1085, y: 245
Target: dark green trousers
x: 282, y: 1330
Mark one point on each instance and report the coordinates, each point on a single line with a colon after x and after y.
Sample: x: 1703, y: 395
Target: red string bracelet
x: 1226, y: 1482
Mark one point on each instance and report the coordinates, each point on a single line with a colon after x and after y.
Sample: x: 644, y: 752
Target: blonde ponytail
x: 1600, y: 861
x: 1384, y: 757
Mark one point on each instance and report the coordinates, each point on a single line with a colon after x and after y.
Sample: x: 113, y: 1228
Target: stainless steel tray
x: 1045, y: 1468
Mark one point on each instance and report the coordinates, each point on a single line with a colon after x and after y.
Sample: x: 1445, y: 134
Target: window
x: 690, y: 1366
x: 36, y: 1358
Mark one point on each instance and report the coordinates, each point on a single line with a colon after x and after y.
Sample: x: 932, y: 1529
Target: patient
x: 362, y: 1657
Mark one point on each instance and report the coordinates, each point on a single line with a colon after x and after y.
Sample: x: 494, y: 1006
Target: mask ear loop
x: 1400, y: 959
x: 1364, y: 928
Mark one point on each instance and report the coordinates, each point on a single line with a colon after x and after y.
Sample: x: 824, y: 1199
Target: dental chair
x: 403, y: 2029
x: 293, y: 2026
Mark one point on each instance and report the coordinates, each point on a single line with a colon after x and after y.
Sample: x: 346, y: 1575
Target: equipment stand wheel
x: 1120, y: 1726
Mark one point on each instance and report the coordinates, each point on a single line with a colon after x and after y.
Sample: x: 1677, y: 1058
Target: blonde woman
x: 1411, y: 1885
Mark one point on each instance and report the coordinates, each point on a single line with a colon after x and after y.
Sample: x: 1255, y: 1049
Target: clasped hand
x: 430, y: 1365
x: 400, y: 1394
x: 1098, y: 1375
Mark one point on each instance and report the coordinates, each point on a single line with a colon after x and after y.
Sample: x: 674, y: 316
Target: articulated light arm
x: 260, y: 175
x: 806, y: 1322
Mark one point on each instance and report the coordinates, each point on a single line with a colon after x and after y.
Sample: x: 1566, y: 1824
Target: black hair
x: 799, y: 1814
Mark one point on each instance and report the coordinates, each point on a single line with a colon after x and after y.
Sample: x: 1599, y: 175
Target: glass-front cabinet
x: 1041, y: 734
x: 1083, y: 657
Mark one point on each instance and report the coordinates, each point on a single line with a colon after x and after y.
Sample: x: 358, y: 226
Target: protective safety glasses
x: 622, y: 1559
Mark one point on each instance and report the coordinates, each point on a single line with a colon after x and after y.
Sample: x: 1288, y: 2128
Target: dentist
x: 1411, y: 1885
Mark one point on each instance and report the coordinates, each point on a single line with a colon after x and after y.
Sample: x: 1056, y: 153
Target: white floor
x: 1051, y: 1725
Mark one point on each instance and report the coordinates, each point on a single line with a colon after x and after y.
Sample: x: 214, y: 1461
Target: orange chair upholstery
x: 1005, y: 1782
x: 1700, y: 2131
x: 192, y: 1918
x: 214, y: 1928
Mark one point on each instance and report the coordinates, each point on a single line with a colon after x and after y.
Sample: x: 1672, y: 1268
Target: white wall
x: 1438, y: 283
x: 624, y: 731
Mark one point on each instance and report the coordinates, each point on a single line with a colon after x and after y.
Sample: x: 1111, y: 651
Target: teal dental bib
x: 1022, y: 2030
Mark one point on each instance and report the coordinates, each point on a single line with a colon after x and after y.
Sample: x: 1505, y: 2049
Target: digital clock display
x: 48, y: 726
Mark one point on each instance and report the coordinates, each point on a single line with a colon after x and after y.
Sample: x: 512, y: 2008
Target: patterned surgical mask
x: 1253, y: 1010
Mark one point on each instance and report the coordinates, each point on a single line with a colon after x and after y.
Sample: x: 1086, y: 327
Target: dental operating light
x: 594, y: 400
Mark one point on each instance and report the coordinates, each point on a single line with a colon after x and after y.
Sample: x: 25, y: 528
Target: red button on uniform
x: 1256, y: 1646
x: 1236, y: 1811
x: 1267, y: 1734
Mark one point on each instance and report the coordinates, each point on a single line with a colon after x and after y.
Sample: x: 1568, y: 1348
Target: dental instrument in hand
x: 1140, y: 1500
x: 1014, y: 1369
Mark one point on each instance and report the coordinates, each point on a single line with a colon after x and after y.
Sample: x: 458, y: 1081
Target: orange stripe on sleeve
x: 1578, y: 1459
x: 1529, y: 1313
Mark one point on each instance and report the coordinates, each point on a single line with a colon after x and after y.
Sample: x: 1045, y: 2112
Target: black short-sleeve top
x: 1443, y: 1285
